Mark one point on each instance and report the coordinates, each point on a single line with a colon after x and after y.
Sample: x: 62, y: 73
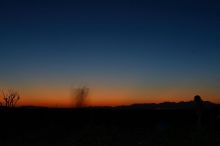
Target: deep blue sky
x: 146, y: 45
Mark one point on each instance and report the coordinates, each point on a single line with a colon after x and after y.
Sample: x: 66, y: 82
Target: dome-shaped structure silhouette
x: 199, y: 109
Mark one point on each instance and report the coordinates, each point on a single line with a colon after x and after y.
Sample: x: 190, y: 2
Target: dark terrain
x: 107, y: 127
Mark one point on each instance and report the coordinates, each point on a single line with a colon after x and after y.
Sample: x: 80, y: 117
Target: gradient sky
x: 124, y: 51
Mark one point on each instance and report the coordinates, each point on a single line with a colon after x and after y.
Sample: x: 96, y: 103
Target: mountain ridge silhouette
x: 173, y: 105
x: 156, y: 106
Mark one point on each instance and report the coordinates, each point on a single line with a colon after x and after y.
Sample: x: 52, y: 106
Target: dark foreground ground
x: 107, y: 127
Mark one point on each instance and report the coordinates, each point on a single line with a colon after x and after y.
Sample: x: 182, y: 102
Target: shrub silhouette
x: 80, y: 95
x: 199, y: 109
x: 10, y: 98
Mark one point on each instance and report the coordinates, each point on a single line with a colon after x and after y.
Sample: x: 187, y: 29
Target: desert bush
x: 80, y: 95
x: 10, y: 98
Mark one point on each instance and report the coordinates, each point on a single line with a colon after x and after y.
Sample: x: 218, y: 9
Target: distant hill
x: 33, y: 107
x: 153, y: 106
x: 169, y: 105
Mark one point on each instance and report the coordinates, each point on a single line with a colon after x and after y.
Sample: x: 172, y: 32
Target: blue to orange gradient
x: 124, y: 51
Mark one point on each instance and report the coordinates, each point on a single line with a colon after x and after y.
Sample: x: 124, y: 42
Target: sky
x: 131, y: 51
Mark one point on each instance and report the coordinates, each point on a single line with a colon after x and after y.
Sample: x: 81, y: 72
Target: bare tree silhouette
x: 10, y: 98
x: 199, y: 109
x: 80, y: 95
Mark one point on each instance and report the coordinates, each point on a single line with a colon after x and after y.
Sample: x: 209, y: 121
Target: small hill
x: 170, y: 105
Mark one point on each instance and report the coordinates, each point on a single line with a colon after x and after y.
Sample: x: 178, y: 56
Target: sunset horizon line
x: 87, y: 105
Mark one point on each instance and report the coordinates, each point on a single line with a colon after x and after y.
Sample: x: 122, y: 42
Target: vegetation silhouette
x: 128, y: 125
x: 10, y: 98
x: 199, y: 105
x: 80, y: 95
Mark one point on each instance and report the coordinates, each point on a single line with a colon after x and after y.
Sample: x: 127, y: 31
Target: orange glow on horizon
x: 52, y: 96
x: 106, y: 101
